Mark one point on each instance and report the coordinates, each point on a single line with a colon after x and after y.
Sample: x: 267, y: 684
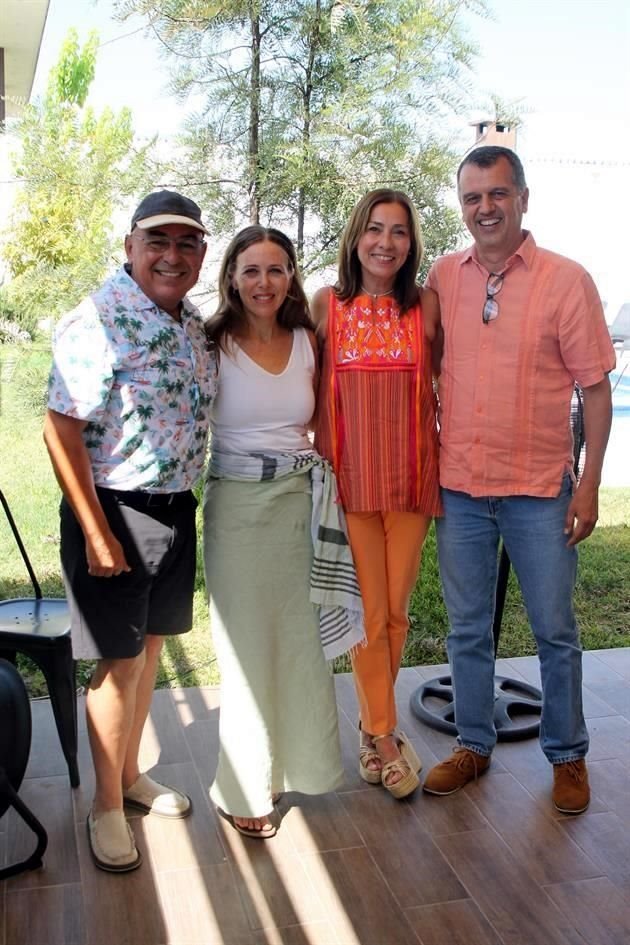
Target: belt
x: 139, y: 499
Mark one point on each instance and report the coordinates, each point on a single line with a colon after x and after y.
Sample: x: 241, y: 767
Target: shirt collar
x: 525, y: 252
x: 127, y: 283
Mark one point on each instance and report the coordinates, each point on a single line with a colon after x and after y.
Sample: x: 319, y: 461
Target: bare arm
x: 319, y: 312
x: 71, y: 463
x: 583, y: 510
x: 316, y: 375
x: 433, y: 327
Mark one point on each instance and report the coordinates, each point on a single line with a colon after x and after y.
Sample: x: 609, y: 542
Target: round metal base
x: 517, y: 707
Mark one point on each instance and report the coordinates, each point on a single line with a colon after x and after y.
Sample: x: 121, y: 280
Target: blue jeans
x: 532, y: 531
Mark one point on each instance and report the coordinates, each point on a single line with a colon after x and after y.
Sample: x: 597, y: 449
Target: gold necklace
x: 375, y: 295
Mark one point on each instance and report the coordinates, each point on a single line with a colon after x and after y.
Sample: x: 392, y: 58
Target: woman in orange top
x: 376, y: 424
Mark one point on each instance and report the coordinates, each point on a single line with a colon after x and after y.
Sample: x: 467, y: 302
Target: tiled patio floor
x: 491, y: 865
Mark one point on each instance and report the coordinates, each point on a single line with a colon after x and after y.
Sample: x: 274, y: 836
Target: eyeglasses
x: 186, y: 245
x: 491, y: 306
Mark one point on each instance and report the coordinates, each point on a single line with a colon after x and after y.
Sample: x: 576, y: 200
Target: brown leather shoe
x: 571, y: 791
x: 449, y: 776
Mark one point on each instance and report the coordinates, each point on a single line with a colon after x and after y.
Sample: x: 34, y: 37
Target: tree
x: 306, y: 104
x: 75, y: 168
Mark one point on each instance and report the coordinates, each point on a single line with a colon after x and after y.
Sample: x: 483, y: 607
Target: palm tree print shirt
x: 143, y: 381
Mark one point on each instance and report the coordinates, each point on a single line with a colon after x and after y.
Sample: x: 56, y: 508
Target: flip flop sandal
x: 268, y: 831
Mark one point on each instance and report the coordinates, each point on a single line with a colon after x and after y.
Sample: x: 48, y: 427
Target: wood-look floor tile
x: 317, y: 823
x: 513, y: 903
x: 601, y: 912
x: 521, y: 667
x: 271, y: 880
x: 83, y: 795
x: 50, y: 801
x: 453, y: 813
x: 505, y: 846
x: 357, y: 901
x: 605, y: 838
x: 46, y: 758
x: 202, y: 738
x: 616, y: 694
x: 413, y: 867
x: 162, y: 742
x: 530, y: 831
x: 193, y: 705
x: 315, y: 933
x: 182, y: 844
x: 202, y: 907
x: 347, y: 697
x: 596, y: 671
x: 122, y: 909
x: 452, y: 923
x: 616, y: 659
x: 52, y: 915
x: 349, y: 741
x: 429, y: 672
x: 526, y: 762
x: 610, y: 782
x: 594, y: 707
x: 610, y: 738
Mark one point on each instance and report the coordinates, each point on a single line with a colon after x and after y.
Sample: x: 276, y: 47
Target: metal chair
x: 40, y: 628
x: 517, y: 705
x: 15, y: 746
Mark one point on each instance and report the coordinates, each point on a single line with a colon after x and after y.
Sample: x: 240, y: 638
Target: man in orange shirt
x: 521, y: 326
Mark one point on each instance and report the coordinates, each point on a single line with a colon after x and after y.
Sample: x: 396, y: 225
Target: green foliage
x: 15, y: 325
x: 71, y: 77
x: 75, y: 167
x: 307, y: 104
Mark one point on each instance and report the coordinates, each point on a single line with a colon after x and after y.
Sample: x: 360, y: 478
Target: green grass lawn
x: 26, y: 478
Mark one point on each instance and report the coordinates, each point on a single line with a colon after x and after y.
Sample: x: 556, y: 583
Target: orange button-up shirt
x: 505, y: 388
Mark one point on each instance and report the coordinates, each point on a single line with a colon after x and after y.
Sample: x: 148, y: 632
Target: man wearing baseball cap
x: 131, y: 386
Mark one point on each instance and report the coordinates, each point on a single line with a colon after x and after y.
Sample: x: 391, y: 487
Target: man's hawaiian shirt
x: 143, y: 381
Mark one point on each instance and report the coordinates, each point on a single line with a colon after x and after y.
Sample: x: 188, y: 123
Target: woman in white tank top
x: 278, y: 720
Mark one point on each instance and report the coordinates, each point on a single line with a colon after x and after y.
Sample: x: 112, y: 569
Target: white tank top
x: 256, y: 410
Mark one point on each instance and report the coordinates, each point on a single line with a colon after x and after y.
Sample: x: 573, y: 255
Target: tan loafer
x: 155, y: 798
x: 112, y: 844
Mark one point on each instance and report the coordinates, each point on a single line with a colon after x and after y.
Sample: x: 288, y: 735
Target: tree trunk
x: 254, y: 120
x: 314, y: 42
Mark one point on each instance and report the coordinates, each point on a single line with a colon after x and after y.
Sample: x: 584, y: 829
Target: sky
x: 565, y: 62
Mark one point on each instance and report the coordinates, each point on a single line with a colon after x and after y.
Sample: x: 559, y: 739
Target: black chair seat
x: 47, y: 618
x: 39, y: 627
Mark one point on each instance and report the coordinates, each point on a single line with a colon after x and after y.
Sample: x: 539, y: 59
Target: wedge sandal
x: 408, y: 766
x: 366, y: 755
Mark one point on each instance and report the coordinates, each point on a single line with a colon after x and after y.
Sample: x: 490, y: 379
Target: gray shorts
x: 111, y: 616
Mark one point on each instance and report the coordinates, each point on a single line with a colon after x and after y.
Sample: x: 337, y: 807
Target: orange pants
x: 387, y: 547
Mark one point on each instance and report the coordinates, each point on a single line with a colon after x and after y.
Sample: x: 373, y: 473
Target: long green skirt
x: 278, y: 719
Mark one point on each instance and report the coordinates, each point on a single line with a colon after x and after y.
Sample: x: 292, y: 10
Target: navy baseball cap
x: 167, y: 206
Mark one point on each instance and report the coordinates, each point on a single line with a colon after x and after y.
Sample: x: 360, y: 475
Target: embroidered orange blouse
x: 376, y: 412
